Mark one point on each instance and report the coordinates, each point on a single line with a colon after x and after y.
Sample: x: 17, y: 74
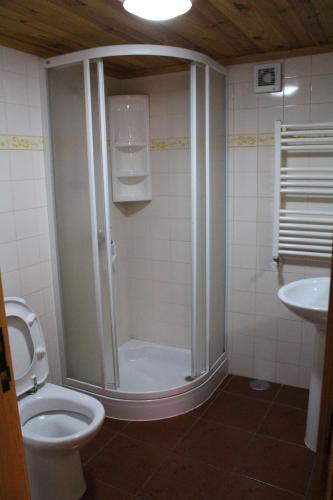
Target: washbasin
x: 307, y: 298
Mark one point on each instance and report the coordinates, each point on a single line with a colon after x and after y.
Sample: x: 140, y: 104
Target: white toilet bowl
x: 55, y: 421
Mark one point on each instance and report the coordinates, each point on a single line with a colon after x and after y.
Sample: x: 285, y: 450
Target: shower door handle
x: 101, y: 241
x: 100, y: 237
x: 113, y: 251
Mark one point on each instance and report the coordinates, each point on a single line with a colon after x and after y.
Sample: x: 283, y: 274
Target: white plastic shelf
x: 130, y: 155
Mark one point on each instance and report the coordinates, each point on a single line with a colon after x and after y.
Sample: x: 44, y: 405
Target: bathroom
x: 223, y: 438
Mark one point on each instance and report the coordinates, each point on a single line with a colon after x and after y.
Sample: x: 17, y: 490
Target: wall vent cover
x: 267, y: 78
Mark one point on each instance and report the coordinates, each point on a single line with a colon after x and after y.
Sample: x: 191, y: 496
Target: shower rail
x: 306, y: 232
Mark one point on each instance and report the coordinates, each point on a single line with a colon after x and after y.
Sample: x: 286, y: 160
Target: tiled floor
x: 240, y: 445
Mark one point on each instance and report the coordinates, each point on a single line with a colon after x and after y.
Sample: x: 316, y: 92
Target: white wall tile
x: 245, y: 121
x: 288, y: 352
x: 287, y: 374
x: 24, y: 235
x: 4, y: 166
x: 244, y: 96
x: 265, y: 349
x: 322, y: 64
x: 243, y: 324
x: 297, y: 66
x: 297, y: 114
x: 17, y: 119
x: 245, y: 159
x: 322, y: 89
x: 8, y: 256
x: 23, y: 194
x: 3, y: 119
x: 11, y: 283
x: 297, y: 90
x: 267, y: 117
x: 278, y: 332
x: 6, y: 197
x: 245, y: 209
x: 245, y: 184
x: 7, y: 232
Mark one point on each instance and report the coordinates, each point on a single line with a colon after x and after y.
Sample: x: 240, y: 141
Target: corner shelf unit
x: 130, y: 157
x: 303, y: 192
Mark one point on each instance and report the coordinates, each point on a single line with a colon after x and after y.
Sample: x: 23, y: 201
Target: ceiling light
x: 157, y: 10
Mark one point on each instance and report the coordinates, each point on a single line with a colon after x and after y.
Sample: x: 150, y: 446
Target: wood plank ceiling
x: 230, y: 31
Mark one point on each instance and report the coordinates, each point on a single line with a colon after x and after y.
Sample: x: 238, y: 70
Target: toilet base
x: 55, y: 476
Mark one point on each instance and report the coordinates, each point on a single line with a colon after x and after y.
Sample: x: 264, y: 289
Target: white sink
x: 309, y: 299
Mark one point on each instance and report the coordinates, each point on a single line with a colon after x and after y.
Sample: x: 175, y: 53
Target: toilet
x: 55, y: 421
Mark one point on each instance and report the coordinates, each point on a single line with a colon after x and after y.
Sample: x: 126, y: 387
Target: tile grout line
x: 103, y: 446
x: 307, y: 491
x: 270, y: 406
x: 173, y: 449
x: 170, y: 451
x: 273, y: 486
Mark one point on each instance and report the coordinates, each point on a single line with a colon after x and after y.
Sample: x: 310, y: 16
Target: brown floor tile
x: 281, y: 464
x: 182, y: 478
x: 241, y: 385
x: 126, y: 463
x: 293, y: 396
x: 102, y: 491
x: 244, y: 488
x: 314, y: 488
x: 108, y: 430
x: 163, y: 433
x: 225, y: 382
x: 238, y: 411
x: 285, y: 422
x: 200, y: 410
x: 115, y: 425
x: 215, y: 444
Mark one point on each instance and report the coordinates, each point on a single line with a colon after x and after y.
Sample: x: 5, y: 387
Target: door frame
x: 14, y: 482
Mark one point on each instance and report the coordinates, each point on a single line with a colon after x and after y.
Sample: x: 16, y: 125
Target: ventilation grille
x: 267, y: 78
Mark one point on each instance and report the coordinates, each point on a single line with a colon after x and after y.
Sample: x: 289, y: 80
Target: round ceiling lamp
x: 157, y: 10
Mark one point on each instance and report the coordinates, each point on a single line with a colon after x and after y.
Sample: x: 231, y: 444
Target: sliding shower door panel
x: 73, y: 224
x: 198, y: 195
x: 102, y: 187
x: 216, y: 201
x: 80, y: 214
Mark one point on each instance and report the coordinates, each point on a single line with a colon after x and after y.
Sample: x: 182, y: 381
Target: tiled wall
x: 154, y: 253
x: 24, y: 233
x: 265, y: 339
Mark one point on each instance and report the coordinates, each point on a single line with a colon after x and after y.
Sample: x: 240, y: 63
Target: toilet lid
x: 27, y: 345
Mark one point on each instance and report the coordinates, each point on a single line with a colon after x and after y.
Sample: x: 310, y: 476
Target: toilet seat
x: 59, y: 401
x: 27, y: 345
x: 55, y: 421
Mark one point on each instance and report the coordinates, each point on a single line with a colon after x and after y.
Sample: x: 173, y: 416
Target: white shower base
x: 153, y: 384
x: 150, y: 367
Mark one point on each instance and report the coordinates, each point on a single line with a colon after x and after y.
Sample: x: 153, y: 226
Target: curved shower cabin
x: 137, y: 171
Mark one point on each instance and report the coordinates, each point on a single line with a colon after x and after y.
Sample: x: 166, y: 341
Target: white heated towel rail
x: 305, y: 232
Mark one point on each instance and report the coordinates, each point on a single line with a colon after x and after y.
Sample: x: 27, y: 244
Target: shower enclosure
x: 139, y: 285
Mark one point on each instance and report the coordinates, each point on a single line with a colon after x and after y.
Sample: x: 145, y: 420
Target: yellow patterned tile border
x: 266, y: 140
x: 250, y: 140
x: 24, y: 142
x: 35, y: 143
x: 170, y: 143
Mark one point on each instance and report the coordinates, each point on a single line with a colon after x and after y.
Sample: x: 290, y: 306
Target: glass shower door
x: 208, y: 174
x: 198, y: 199
x: 216, y: 212
x: 81, y: 206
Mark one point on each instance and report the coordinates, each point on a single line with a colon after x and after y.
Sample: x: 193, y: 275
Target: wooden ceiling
x: 230, y: 31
